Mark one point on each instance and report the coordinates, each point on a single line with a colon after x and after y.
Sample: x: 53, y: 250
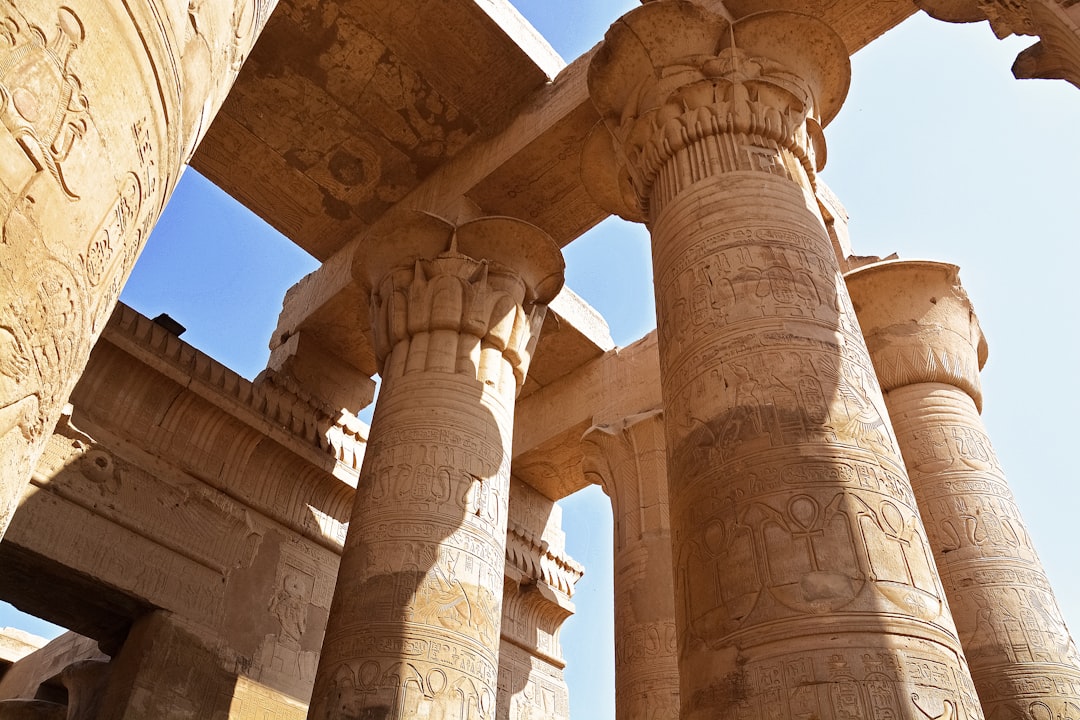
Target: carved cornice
x: 684, y: 95
x: 293, y: 414
x: 1054, y: 22
x: 530, y: 556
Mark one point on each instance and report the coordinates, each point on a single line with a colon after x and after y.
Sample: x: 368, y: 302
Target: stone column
x: 102, y: 103
x: 928, y: 349
x: 804, y: 585
x: 414, y: 624
x: 629, y: 461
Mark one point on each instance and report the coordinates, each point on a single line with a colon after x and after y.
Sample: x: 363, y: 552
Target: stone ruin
x: 810, y: 518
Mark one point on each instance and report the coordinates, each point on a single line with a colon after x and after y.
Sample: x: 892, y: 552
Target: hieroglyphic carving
x: 629, y: 461
x: 791, y: 511
x: 43, y: 113
x: 75, y: 537
x: 414, y: 625
x: 530, y: 688
x: 1006, y: 615
x: 89, y: 149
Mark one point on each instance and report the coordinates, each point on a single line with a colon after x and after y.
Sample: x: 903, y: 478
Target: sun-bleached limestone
x: 803, y: 580
x: 414, y: 626
x: 928, y: 349
x: 101, y: 105
x: 144, y: 499
x: 628, y: 459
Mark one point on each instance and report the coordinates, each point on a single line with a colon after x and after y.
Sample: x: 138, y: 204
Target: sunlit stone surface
x: 928, y: 349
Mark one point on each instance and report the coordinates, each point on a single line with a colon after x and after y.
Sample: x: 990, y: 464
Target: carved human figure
x: 926, y: 344
x: 803, y: 578
x: 629, y: 462
x: 414, y: 625
x: 89, y: 151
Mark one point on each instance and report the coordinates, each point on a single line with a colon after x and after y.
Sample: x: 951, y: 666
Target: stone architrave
x: 804, y: 584
x: 927, y: 346
x: 101, y: 104
x: 414, y: 625
x: 630, y: 462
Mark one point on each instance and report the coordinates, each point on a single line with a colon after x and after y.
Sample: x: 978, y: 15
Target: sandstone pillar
x: 804, y: 583
x: 630, y: 462
x: 414, y: 625
x: 101, y: 104
x: 928, y: 349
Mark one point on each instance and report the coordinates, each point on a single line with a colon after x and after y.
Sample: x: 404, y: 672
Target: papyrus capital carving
x: 672, y: 77
x: 456, y: 299
x: 919, y: 324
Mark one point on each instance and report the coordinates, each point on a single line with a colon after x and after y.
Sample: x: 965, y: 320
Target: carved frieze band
x: 910, y: 365
x: 1008, y: 619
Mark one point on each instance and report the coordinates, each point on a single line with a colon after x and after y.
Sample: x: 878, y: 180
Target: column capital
x: 919, y: 324
x: 670, y: 74
x: 460, y: 290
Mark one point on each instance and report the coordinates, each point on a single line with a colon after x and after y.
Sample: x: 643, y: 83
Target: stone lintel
x: 527, y: 167
x: 919, y: 324
x: 45, y: 662
x: 551, y: 421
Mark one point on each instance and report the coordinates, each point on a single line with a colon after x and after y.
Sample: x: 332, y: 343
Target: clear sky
x: 938, y: 153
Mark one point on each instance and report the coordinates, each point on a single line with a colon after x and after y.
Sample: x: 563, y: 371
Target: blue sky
x: 938, y: 153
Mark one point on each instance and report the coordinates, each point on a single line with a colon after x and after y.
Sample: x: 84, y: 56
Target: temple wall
x: 162, y: 523
x: 101, y: 106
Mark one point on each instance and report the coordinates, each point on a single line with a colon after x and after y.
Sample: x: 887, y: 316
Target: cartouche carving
x: 791, y: 511
x: 926, y: 342
x: 414, y: 626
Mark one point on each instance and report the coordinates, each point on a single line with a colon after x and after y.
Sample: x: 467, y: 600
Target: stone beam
x: 552, y: 420
x: 343, y: 110
x: 323, y: 186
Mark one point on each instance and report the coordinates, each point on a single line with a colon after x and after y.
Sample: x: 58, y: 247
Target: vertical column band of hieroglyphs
x: 629, y: 460
x: 928, y: 349
x: 101, y: 104
x: 415, y: 622
x: 804, y: 583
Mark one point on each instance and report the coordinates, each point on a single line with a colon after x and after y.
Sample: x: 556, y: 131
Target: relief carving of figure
x: 289, y: 606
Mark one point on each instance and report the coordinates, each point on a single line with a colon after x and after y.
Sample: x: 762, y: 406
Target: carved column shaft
x: 630, y: 463
x: 101, y: 104
x: 804, y: 583
x: 928, y: 349
x: 414, y: 625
